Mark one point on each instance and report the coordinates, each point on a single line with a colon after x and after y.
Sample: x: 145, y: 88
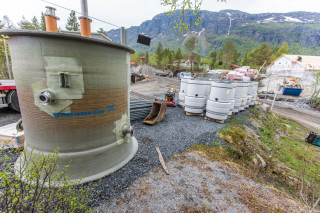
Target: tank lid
x: 36, y: 33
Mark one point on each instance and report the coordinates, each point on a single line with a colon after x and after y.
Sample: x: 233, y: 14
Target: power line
x: 81, y: 13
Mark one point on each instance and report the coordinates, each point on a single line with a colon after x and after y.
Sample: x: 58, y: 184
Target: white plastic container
x: 183, y: 85
x: 182, y: 96
x: 232, y: 102
x: 194, y: 104
x: 196, y: 88
x: 221, y: 91
x: 217, y: 110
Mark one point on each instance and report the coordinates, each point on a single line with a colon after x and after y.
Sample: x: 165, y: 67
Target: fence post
x: 7, y: 58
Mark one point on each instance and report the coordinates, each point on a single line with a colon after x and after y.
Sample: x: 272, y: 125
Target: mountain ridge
x: 300, y: 29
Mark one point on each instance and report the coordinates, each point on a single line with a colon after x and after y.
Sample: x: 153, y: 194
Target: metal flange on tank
x: 74, y: 95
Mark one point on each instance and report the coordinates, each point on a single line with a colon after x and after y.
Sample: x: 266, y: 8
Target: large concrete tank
x: 74, y: 94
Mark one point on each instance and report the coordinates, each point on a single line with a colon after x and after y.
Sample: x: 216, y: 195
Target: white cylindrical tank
x: 245, y: 88
x: 217, y: 110
x: 237, y: 96
x: 232, y: 102
x: 254, y: 93
x: 196, y: 88
x: 194, y: 105
x: 183, y: 91
x: 221, y: 91
x: 182, y: 98
x: 183, y: 87
x: 195, y: 99
x: 219, y: 102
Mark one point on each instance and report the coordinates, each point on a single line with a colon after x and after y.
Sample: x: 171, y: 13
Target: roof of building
x: 311, y: 63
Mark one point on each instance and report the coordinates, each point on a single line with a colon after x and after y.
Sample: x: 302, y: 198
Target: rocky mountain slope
x: 300, y: 29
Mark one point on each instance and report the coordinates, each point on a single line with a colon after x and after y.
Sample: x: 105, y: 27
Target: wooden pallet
x: 214, y: 120
x: 11, y: 138
x: 194, y: 114
x: 181, y: 106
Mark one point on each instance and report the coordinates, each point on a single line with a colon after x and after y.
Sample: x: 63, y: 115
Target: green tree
x: 178, y: 56
x: 25, y: 24
x: 72, y: 23
x: 170, y: 57
x: 35, y: 24
x: 260, y: 55
x: 245, y: 61
x: 147, y: 58
x: 190, y: 44
x: 284, y: 49
x: 159, y: 54
x: 213, y: 59
x: 42, y: 22
x: 183, y: 6
x: 230, y: 54
x: 102, y: 31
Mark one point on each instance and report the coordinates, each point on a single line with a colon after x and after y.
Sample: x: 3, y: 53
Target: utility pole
x: 7, y: 58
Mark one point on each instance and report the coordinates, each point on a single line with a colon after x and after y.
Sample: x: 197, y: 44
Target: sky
x: 129, y: 13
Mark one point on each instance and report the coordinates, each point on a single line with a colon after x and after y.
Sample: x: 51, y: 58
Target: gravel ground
x: 8, y: 116
x: 294, y: 104
x: 196, y: 184
x: 175, y: 134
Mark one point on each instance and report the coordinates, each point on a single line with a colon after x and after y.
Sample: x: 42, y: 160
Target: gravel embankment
x: 8, y: 116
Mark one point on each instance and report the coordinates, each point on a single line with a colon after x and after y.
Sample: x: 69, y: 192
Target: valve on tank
x: 45, y: 97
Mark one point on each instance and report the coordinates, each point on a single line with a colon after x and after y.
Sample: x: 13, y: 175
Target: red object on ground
x: 170, y: 102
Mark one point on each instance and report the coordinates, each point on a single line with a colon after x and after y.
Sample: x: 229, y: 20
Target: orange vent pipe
x: 51, y: 20
x: 85, y: 26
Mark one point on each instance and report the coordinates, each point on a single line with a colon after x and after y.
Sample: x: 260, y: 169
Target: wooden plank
x: 194, y: 114
x: 214, y: 120
x: 10, y: 137
x: 163, y: 164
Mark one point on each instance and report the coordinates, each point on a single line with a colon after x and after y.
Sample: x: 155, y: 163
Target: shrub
x: 35, y: 186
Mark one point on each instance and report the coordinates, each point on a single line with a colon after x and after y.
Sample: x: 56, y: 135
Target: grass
x: 292, y: 165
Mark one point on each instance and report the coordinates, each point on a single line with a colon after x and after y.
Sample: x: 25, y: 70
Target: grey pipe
x: 84, y: 8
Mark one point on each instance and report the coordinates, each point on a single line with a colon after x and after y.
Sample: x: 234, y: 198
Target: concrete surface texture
x: 157, y: 86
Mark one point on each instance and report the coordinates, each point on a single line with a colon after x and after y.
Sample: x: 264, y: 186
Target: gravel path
x: 8, y: 116
x: 176, y: 133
